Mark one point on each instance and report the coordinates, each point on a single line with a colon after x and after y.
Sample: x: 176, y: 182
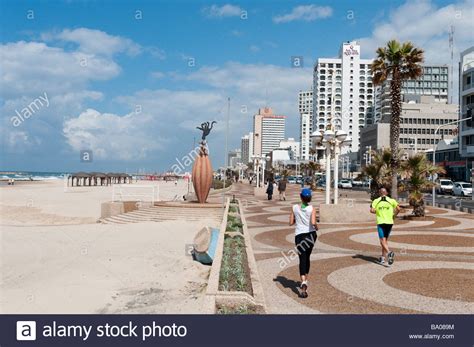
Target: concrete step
x: 163, y: 213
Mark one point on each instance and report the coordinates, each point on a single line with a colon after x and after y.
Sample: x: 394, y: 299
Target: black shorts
x: 384, y: 230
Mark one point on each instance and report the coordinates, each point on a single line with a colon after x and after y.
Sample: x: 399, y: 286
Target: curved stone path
x: 433, y: 271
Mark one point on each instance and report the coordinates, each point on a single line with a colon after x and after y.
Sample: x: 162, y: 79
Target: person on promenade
x: 282, y: 188
x: 304, y: 216
x: 270, y: 189
x: 385, y: 208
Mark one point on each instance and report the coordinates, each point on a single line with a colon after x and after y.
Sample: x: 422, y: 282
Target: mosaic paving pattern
x: 433, y: 271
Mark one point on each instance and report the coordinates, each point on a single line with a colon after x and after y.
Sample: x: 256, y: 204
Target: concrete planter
x: 217, y: 297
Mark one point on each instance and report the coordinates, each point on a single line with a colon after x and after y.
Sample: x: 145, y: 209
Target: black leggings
x: 304, y: 246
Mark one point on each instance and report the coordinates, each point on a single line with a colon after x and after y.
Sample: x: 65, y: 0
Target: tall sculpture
x: 202, y: 169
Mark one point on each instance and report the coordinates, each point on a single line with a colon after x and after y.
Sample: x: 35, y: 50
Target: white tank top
x: 303, y: 219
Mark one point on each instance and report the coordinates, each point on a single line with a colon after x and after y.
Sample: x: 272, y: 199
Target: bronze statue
x: 206, y: 128
x: 202, y: 169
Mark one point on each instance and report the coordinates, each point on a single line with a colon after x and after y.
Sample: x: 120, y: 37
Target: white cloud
x: 29, y: 68
x: 226, y: 10
x: 95, y: 41
x: 157, y: 74
x: 254, y: 48
x: 110, y: 136
x: 237, y: 33
x: 307, y: 13
x: 427, y: 26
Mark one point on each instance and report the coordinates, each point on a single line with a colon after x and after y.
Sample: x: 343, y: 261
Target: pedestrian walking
x: 303, y: 215
x: 385, y: 208
x: 282, y: 189
x: 270, y: 189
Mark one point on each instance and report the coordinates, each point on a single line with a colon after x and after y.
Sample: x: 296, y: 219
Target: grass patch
x: 218, y: 184
x: 234, y: 223
x: 235, y: 274
x: 238, y: 309
x: 234, y: 208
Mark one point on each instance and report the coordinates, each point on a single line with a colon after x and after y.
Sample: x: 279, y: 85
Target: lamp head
x: 341, y: 135
x: 347, y: 141
x: 316, y: 137
x: 329, y: 135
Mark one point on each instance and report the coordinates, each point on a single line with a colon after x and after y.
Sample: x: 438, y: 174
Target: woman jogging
x: 304, y: 216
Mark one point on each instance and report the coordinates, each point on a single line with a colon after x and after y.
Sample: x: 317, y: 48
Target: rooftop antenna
x: 451, y: 78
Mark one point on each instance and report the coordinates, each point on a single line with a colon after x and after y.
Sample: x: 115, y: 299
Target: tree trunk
x: 396, y: 107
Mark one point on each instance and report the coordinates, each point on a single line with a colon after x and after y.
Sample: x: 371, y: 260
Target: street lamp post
x: 333, y: 142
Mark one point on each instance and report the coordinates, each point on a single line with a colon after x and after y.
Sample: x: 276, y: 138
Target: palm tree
x: 312, y: 153
x: 313, y: 168
x: 417, y: 170
x: 396, y: 63
x: 379, y: 171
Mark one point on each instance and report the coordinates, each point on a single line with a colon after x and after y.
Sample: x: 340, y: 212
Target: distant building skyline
x: 269, y: 130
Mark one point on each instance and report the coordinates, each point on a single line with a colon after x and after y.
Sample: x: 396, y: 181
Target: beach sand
x: 55, y: 258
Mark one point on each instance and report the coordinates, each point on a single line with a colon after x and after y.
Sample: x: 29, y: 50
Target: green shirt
x: 384, y: 209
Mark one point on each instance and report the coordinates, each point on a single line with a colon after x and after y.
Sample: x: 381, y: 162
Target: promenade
x: 433, y: 270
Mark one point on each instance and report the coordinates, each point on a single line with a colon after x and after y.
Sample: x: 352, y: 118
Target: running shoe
x: 390, y: 257
x: 304, y: 288
x: 382, y: 261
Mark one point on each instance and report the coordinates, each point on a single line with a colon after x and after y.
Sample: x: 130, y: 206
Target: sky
x: 130, y: 81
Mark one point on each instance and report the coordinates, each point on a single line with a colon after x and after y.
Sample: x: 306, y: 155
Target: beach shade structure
x: 205, y: 245
x: 81, y: 178
x: 202, y: 169
x: 99, y: 178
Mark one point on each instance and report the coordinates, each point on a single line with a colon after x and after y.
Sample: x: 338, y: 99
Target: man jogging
x: 282, y: 188
x: 385, y: 209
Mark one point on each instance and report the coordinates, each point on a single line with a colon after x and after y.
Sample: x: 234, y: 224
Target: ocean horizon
x: 32, y: 175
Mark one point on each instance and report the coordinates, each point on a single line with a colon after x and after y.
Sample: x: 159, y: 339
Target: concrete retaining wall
x: 454, y: 207
x: 214, y: 296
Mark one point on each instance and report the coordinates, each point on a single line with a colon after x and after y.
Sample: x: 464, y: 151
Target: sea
x: 31, y: 175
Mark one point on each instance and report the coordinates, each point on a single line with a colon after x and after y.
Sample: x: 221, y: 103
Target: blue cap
x: 305, y: 192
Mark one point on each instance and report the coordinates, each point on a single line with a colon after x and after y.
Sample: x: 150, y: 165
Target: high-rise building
x: 246, y: 147
x: 419, y: 119
x: 292, y: 145
x: 305, y: 107
x: 466, y: 102
x: 434, y: 82
x: 343, y: 93
x: 269, y: 130
x: 234, y: 157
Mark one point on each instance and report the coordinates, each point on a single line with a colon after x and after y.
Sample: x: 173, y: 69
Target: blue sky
x: 131, y: 80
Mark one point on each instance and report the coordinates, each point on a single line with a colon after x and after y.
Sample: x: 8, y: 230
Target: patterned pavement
x: 433, y: 270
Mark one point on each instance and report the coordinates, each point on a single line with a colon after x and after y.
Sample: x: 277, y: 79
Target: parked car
x: 345, y: 184
x: 291, y: 179
x: 357, y: 183
x: 444, y: 186
x: 462, y: 189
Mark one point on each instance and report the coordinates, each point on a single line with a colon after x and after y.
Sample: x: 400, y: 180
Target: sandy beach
x: 56, y: 258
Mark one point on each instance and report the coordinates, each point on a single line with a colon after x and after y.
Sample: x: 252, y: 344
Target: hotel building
x: 269, y: 130
x: 305, y: 108
x: 347, y: 80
